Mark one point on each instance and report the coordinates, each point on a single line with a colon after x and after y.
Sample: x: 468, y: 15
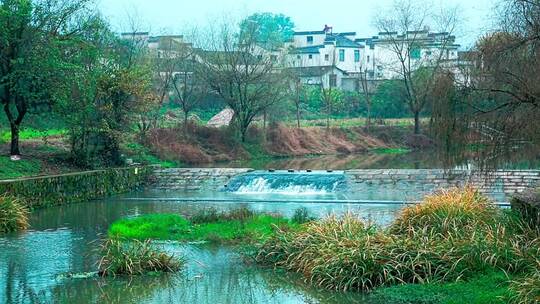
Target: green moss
x: 175, y: 227
x: 491, y: 288
x: 13, y: 169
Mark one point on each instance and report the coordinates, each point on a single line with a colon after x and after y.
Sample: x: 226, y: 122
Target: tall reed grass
x: 13, y: 214
x: 453, y: 235
x: 133, y: 257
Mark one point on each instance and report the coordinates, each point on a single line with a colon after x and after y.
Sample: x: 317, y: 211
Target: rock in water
x: 222, y: 119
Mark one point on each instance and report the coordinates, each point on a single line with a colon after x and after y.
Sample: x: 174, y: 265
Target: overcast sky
x: 169, y: 16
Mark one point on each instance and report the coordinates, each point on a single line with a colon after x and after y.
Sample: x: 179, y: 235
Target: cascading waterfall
x: 291, y: 183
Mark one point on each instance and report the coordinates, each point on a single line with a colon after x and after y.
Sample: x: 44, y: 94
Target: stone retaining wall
x: 194, y: 179
x: 508, y: 181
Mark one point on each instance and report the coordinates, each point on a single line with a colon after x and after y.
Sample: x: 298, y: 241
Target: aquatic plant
x: 134, y: 257
x: 13, y: 214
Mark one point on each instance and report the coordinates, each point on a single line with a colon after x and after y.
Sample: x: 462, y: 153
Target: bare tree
x: 404, y: 30
x: 244, y: 73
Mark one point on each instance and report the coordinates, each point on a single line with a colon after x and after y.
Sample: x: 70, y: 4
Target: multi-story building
x: 340, y: 59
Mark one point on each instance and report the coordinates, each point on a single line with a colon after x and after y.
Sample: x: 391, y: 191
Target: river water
x: 35, y: 266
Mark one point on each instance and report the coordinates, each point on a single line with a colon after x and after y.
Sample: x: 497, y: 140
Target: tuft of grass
x: 301, y: 216
x: 13, y: 214
x: 239, y: 225
x: 526, y: 289
x: 134, y: 257
x: 448, y: 211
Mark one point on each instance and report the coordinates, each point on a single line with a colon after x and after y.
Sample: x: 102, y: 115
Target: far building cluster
x: 329, y: 59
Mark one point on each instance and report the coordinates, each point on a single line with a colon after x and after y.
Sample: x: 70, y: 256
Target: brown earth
x: 200, y: 145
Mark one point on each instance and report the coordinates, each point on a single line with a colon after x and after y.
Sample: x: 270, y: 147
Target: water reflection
x: 34, y: 264
x: 521, y: 159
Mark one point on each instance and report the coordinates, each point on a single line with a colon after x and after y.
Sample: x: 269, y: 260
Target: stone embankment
x: 507, y: 182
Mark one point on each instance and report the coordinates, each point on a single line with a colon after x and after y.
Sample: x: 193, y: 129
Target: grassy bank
x: 233, y: 227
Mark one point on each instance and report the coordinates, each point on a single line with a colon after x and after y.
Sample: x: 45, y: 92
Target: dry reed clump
x: 13, y: 214
x: 453, y: 235
x: 133, y: 257
x: 526, y: 290
x: 336, y: 253
x: 452, y: 211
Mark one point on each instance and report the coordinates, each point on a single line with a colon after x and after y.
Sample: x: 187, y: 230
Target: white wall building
x: 340, y: 57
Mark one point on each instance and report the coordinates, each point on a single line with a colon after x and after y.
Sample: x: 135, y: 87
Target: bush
x: 13, y: 214
x: 133, y: 257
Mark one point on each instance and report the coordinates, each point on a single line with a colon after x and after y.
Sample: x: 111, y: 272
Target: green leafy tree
x: 269, y: 28
x: 32, y: 36
x: 110, y: 85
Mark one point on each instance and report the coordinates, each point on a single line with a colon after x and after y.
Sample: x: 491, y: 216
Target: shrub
x: 13, y: 214
x: 133, y: 257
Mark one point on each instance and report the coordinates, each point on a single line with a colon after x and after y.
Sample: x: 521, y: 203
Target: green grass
x: 13, y: 214
x: 14, y: 169
x: 29, y: 133
x: 142, y: 154
x: 175, y: 227
x: 491, y: 288
x: 391, y: 151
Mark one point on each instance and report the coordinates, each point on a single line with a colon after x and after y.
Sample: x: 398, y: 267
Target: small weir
x: 288, y: 182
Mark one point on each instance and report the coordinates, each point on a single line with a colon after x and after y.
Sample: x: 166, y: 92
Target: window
x: 298, y: 57
x: 310, y: 56
x: 327, y: 57
x: 415, y: 53
x: 342, y: 55
x: 368, y: 58
x: 309, y: 39
x: 333, y: 80
x: 428, y: 53
x: 356, y: 56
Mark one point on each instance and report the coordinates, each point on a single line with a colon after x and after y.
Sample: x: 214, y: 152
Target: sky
x: 174, y: 16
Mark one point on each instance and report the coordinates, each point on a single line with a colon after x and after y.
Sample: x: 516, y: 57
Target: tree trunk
x: 14, y: 149
x: 417, y: 122
x: 368, y: 114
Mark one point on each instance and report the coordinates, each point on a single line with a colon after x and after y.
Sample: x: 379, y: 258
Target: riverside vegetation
x: 13, y: 214
x: 456, y: 245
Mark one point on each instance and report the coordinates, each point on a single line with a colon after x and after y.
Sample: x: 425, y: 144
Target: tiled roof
x: 309, y: 33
